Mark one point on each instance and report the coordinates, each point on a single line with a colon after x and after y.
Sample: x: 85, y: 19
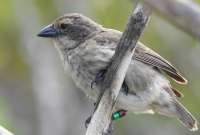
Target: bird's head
x: 69, y: 30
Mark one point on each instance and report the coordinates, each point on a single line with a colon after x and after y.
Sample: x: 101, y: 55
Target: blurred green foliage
x: 44, y: 6
x: 4, y: 119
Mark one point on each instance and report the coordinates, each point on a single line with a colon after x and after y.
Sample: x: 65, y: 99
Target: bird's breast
x: 86, y: 62
x: 90, y: 58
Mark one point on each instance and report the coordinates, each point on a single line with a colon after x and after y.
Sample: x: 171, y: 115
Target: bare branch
x: 4, y: 131
x: 116, y: 72
x: 183, y: 13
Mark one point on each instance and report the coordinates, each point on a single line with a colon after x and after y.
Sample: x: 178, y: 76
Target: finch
x: 87, y: 48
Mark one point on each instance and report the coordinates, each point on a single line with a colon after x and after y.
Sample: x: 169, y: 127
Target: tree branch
x: 183, y: 13
x: 4, y: 131
x: 116, y: 72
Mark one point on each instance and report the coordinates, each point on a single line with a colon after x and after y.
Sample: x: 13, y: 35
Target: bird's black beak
x: 48, y: 31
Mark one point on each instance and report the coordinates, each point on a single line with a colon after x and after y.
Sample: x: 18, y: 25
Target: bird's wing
x: 150, y: 57
x: 146, y: 55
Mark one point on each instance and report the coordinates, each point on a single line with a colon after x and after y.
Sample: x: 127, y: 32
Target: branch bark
x: 185, y: 14
x: 4, y: 131
x: 114, y: 78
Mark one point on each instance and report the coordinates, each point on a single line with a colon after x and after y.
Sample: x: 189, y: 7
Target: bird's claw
x: 116, y: 115
x: 99, y: 77
x: 109, y: 130
x: 87, y: 121
x: 125, y: 88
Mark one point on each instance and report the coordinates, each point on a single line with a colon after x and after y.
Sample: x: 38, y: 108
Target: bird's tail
x: 186, y: 117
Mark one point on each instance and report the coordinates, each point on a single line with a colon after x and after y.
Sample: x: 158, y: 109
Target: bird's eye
x: 63, y: 26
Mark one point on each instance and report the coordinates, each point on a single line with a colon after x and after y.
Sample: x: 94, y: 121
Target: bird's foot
x: 125, y: 88
x: 87, y: 121
x: 115, y: 116
x: 118, y: 114
x: 109, y: 130
x: 99, y: 77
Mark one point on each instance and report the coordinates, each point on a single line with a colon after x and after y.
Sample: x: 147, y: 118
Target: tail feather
x: 186, y: 117
x: 177, y: 93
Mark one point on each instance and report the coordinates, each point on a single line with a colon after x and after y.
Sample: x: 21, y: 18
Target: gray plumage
x: 87, y: 48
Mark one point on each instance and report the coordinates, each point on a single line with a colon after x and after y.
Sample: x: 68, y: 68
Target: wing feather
x: 147, y: 56
x: 150, y: 57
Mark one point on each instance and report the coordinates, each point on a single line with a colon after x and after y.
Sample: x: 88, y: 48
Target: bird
x: 86, y: 49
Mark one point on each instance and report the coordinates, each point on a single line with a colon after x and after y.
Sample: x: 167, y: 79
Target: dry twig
x: 4, y: 131
x: 185, y: 14
x: 114, y: 78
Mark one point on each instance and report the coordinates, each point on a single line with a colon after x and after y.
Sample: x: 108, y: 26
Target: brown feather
x: 147, y: 56
x: 177, y: 93
x: 176, y: 77
x: 173, y: 92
